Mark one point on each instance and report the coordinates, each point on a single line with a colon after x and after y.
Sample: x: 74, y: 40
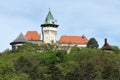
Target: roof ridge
x: 71, y: 35
x: 32, y: 31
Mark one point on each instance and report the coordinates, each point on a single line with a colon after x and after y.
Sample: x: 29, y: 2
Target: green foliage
x: 115, y: 49
x: 74, y: 49
x: 8, y: 72
x: 6, y: 51
x: 22, y: 65
x: 80, y: 64
x: 53, y: 57
x: 92, y: 43
x: 27, y: 47
x: 110, y: 73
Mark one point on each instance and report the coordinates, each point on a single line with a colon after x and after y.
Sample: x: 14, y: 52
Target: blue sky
x: 92, y: 18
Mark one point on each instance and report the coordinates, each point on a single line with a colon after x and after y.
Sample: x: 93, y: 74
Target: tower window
x: 53, y: 22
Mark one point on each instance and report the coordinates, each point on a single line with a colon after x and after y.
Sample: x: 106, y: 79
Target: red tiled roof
x: 32, y: 35
x: 73, y: 40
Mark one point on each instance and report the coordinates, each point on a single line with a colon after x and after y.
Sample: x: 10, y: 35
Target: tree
x: 110, y: 73
x: 74, y: 49
x: 27, y: 47
x: 22, y: 65
x: 92, y: 43
x: 115, y: 49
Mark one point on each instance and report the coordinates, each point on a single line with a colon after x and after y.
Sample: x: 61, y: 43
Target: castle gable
x: 32, y: 36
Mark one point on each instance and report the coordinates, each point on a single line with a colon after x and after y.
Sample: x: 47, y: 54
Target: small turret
x: 106, y: 46
x: 19, y: 41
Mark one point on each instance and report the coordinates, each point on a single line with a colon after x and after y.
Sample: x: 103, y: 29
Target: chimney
x: 83, y: 36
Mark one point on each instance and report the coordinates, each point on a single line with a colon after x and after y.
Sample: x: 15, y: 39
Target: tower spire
x: 49, y: 18
x: 49, y: 28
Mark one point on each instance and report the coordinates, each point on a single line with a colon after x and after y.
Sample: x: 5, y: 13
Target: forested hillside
x: 27, y: 63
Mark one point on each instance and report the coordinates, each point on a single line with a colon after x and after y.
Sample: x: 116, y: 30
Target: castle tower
x: 49, y: 29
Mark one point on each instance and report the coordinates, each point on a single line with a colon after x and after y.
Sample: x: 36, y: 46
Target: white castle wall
x: 49, y: 34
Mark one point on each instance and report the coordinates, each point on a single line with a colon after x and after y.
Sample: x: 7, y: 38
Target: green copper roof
x: 50, y: 19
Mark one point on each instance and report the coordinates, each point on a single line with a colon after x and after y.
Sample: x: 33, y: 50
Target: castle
x: 49, y: 32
